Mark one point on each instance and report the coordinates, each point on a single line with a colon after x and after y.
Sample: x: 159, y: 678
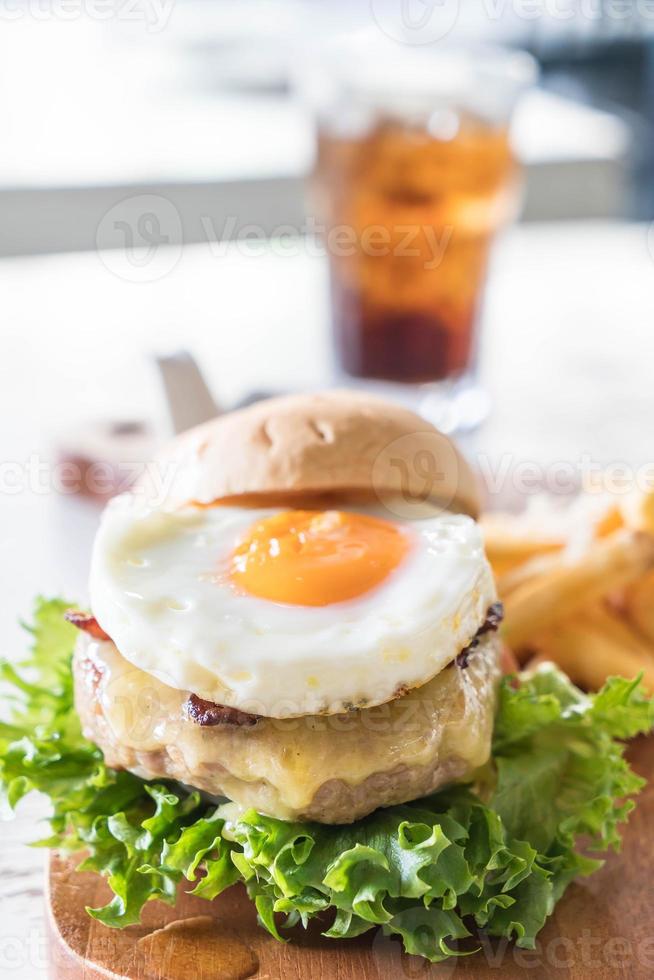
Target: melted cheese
x: 279, y: 765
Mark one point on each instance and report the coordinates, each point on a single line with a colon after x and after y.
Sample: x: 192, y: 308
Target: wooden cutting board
x: 602, y: 929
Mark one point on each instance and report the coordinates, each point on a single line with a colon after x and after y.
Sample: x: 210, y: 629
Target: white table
x: 567, y: 357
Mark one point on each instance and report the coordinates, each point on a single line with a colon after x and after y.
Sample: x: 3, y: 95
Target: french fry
x: 506, y: 539
x: 637, y: 510
x: 638, y: 601
x: 588, y: 655
x: 509, y: 546
x: 601, y: 617
x: 505, y: 566
x: 609, y: 522
x: 526, y: 571
x: 608, y: 564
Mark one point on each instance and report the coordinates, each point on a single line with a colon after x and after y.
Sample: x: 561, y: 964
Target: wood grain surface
x: 603, y: 928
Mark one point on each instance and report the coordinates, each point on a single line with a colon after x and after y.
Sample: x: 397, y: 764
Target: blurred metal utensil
x: 189, y: 399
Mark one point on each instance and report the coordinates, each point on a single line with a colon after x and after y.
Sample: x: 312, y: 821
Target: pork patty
x: 332, y: 769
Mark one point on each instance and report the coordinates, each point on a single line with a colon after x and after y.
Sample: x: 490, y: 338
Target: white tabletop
x: 567, y: 359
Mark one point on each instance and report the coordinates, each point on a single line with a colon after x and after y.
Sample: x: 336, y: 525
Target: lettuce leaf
x: 428, y: 871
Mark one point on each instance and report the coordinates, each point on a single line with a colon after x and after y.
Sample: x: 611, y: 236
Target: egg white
x: 155, y: 590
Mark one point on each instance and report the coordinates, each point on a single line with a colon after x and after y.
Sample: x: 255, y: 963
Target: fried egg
x: 288, y: 612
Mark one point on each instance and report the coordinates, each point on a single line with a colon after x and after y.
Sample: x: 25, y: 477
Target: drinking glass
x: 414, y: 177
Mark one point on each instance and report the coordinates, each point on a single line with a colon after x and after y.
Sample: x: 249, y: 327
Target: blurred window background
x: 100, y: 97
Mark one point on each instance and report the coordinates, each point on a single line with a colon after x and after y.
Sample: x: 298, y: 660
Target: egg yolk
x: 314, y: 558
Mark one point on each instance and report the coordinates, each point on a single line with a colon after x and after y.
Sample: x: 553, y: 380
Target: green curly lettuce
x: 427, y: 871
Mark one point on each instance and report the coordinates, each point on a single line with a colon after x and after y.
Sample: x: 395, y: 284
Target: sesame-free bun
x: 303, y: 448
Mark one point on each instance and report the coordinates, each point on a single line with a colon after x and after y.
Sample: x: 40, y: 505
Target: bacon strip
x: 84, y: 621
x: 494, y: 617
x: 206, y: 714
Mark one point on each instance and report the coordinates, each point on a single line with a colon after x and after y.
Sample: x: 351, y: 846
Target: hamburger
x: 289, y: 674
x: 303, y: 650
